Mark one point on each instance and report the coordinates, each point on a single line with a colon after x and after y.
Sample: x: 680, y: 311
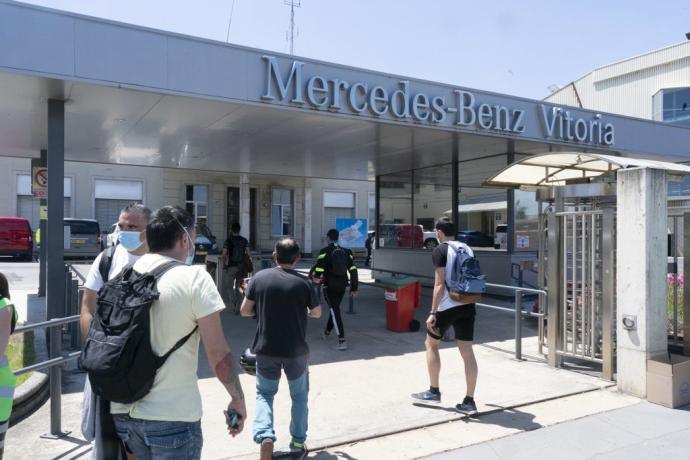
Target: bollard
x: 518, y: 325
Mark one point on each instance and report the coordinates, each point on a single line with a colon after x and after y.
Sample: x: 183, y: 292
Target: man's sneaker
x: 467, y: 407
x: 427, y: 397
x: 342, y: 345
x: 266, y: 449
x: 297, y: 447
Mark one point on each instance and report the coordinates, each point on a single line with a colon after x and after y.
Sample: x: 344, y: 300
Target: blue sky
x: 513, y: 47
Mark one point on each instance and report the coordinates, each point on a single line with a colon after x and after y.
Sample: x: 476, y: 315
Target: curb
x: 29, y: 396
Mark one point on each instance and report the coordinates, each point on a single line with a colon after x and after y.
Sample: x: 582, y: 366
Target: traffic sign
x: 39, y: 181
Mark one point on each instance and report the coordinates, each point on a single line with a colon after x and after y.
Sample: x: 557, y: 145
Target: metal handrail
x: 44, y: 324
x: 76, y: 272
x: 55, y: 377
x: 518, y: 292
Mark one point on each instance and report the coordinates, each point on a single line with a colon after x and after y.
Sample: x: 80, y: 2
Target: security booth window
x: 282, y: 221
x: 396, y: 229
x: 432, y: 199
x: 196, y: 202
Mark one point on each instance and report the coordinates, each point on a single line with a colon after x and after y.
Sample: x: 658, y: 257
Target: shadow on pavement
x: 366, y: 332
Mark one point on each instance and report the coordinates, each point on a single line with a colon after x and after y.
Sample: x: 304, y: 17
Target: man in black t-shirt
x: 282, y: 299
x: 446, y: 312
x: 235, y: 249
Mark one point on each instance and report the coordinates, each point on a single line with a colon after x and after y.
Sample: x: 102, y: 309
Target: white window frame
x: 323, y: 205
x: 292, y: 210
x: 197, y: 203
x: 114, y: 178
x: 72, y: 198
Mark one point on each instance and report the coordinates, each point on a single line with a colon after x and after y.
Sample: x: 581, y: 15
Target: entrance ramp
x: 357, y: 394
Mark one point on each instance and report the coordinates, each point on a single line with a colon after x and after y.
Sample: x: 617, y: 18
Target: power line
x: 232, y: 9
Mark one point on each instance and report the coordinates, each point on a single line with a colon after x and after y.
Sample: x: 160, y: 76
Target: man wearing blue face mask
x: 131, y: 245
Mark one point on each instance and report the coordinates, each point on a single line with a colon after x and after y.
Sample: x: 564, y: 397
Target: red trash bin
x: 402, y: 296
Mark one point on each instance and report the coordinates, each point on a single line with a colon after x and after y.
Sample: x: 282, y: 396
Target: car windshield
x: 82, y: 227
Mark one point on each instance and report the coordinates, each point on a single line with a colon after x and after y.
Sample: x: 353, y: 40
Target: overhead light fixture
x: 120, y: 120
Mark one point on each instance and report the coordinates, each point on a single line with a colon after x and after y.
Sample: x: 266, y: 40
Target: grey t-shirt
x: 282, y: 297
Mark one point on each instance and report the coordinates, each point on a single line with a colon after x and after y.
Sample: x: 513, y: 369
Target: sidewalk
x: 641, y: 431
x: 357, y: 394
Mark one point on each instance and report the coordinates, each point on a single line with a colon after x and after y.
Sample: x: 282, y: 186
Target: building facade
x: 278, y: 205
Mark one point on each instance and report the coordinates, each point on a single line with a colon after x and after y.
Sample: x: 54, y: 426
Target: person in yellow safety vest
x: 37, y: 238
x: 8, y: 320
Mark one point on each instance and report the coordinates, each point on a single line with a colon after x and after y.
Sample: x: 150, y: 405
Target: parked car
x: 409, y: 236
x: 474, y: 238
x: 204, y: 244
x: 85, y: 238
x: 16, y: 238
x: 501, y: 237
x: 430, y: 240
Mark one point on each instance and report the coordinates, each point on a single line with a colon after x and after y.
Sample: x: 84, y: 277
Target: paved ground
x: 641, y: 431
x: 359, y: 398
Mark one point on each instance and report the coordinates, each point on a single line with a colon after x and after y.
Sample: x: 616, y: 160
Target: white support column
x: 307, y: 221
x: 640, y: 274
x: 244, y: 206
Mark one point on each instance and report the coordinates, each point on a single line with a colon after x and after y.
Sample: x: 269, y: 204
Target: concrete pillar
x: 244, y: 206
x: 306, y: 249
x: 641, y: 274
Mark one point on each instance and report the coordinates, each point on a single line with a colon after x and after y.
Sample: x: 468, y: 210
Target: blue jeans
x: 267, y: 378
x: 154, y: 440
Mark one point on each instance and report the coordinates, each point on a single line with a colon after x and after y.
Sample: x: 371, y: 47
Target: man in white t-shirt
x: 444, y: 313
x: 166, y: 423
x: 131, y: 245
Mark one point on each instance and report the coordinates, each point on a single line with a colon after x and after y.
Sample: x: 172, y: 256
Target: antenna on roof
x: 553, y: 88
x: 292, y: 4
x: 687, y: 35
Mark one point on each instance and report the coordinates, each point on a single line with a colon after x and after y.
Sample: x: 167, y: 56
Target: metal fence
x: 518, y: 293
x: 56, y: 329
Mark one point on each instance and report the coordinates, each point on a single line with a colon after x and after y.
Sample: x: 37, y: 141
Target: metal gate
x: 580, y: 256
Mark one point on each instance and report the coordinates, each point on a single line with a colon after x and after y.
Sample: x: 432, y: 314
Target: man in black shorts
x: 444, y: 313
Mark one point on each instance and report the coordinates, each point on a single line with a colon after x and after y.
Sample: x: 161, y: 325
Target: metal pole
x: 54, y: 246
x: 608, y: 304
x: 55, y: 384
x: 455, y: 181
x: 43, y: 229
x: 518, y: 325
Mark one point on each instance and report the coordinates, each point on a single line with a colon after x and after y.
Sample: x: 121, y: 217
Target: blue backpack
x: 467, y: 283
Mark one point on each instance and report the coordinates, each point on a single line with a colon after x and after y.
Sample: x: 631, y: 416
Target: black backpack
x: 340, y: 261
x: 239, y: 248
x: 117, y: 351
x: 106, y: 262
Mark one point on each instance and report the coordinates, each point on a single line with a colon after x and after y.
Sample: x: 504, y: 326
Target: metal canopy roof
x: 138, y: 96
x: 558, y: 168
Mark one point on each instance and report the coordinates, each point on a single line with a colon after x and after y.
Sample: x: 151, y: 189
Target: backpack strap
x: 163, y: 268
x: 176, y: 347
x: 106, y: 262
x: 157, y: 273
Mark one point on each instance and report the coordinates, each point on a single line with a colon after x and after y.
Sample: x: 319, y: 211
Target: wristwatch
x: 432, y: 313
